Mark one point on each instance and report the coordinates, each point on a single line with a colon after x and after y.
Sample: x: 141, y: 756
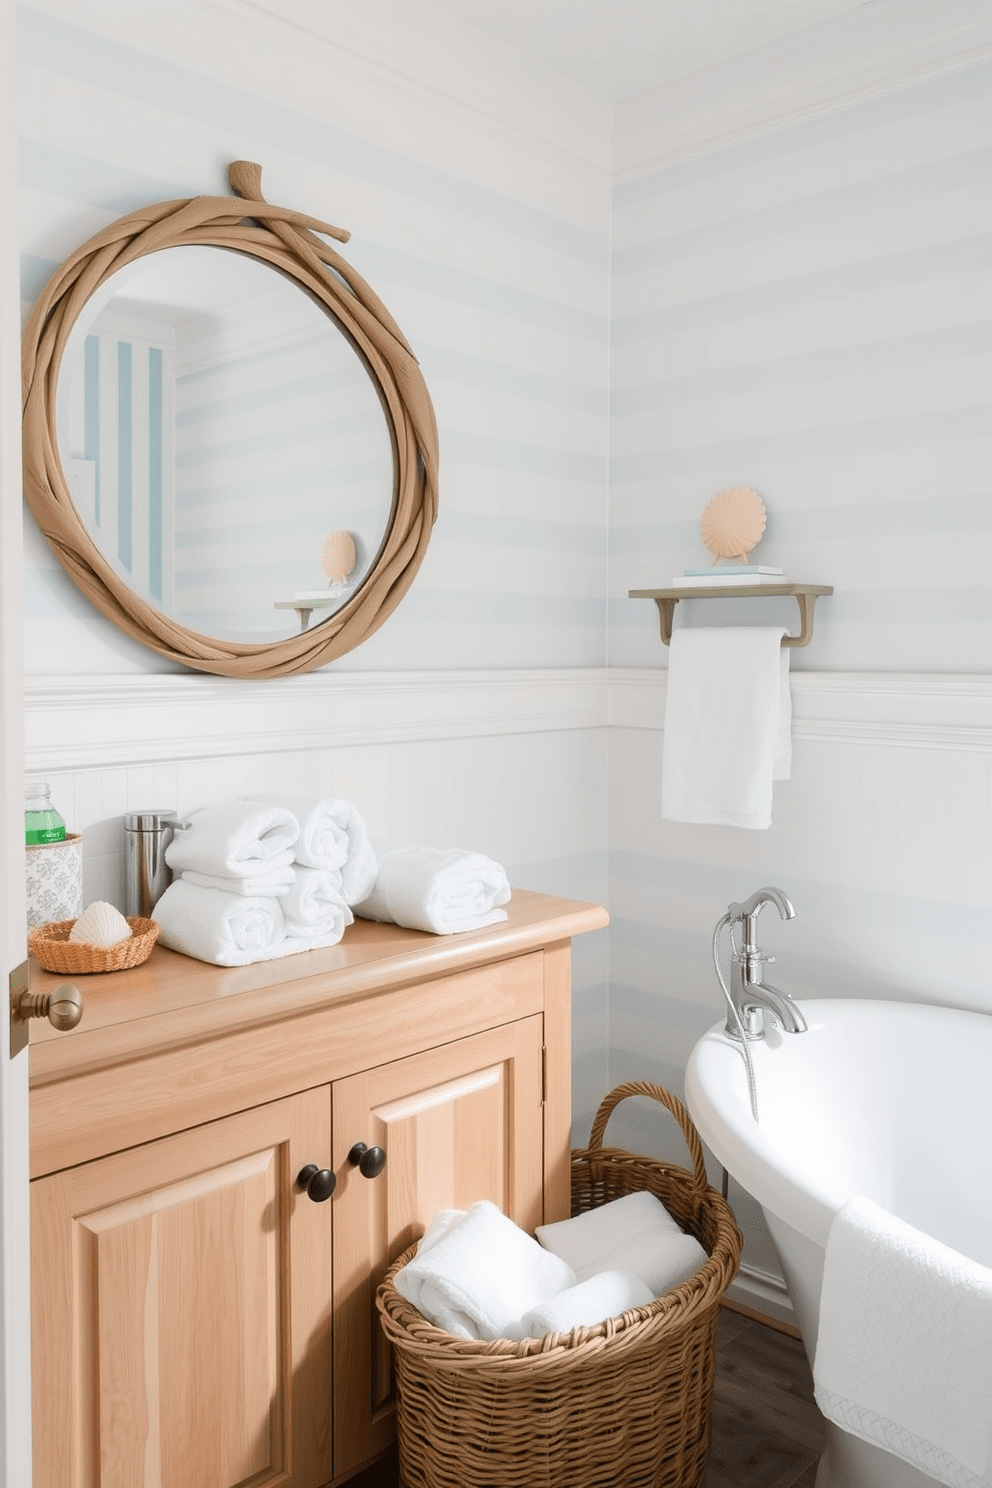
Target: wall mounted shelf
x: 805, y: 595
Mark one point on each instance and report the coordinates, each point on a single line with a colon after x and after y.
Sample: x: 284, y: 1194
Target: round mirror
x: 215, y: 428
x: 228, y: 442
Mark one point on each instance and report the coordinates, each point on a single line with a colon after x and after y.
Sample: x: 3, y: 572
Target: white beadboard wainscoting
x: 880, y: 837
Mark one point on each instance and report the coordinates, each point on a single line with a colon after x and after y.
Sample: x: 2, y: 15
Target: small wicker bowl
x: 51, y: 947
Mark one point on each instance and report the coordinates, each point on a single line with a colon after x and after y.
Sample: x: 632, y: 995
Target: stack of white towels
x: 259, y: 879
x: 478, y: 1275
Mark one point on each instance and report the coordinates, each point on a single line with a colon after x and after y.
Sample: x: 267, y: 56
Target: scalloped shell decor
x: 338, y: 557
x: 100, y: 924
x: 733, y: 522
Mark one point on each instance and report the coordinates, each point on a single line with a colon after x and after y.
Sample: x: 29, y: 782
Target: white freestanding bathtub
x: 889, y: 1100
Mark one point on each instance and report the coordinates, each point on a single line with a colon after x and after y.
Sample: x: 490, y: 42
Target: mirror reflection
x: 216, y: 428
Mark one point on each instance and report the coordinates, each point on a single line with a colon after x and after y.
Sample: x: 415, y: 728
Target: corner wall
x: 810, y: 314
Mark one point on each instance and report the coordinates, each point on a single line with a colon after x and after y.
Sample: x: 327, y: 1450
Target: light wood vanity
x: 199, y: 1321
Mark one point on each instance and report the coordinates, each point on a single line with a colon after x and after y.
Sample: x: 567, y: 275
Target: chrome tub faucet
x: 750, y: 996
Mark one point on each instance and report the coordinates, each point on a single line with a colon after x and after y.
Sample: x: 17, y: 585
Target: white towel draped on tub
x: 904, y: 1352
x: 332, y: 837
x: 476, y: 1273
x: 728, y: 720
x: 239, y: 839
x: 213, y: 925
x: 440, y: 890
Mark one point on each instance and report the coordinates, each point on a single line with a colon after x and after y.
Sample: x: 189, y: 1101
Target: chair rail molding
x: 106, y: 721
x: 921, y: 710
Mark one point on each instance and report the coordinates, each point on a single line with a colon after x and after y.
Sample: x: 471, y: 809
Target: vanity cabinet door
x: 181, y: 1310
x: 458, y: 1123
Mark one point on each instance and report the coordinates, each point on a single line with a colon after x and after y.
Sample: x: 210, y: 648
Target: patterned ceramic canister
x: 55, y: 880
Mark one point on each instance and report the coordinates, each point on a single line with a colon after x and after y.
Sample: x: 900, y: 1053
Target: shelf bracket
x: 805, y: 596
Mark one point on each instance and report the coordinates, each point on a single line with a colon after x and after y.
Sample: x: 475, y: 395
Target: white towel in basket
x: 482, y: 1274
x: 605, y: 1295
x: 635, y: 1233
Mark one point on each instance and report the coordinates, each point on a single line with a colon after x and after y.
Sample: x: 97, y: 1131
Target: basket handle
x: 672, y: 1104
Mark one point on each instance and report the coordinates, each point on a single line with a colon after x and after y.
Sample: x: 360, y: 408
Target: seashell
x: 100, y: 924
x: 733, y: 522
x: 339, y: 556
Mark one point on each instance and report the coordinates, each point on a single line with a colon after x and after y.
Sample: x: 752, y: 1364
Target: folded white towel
x: 313, y: 906
x: 214, y: 925
x: 605, y: 1295
x: 635, y: 1233
x: 904, y: 1352
x: 481, y: 1275
x: 272, y: 880
x: 728, y: 716
x: 441, y: 890
x: 333, y: 837
x: 234, y: 840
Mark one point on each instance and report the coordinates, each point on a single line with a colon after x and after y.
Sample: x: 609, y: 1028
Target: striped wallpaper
x: 501, y: 288
x: 809, y: 312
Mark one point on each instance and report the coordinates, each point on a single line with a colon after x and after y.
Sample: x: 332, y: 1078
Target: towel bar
x: 805, y: 596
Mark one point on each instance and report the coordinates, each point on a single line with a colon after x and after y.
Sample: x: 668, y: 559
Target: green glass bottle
x: 42, y: 822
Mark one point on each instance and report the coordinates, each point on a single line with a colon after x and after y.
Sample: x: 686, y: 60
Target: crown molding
x: 413, y: 52
x: 873, y: 50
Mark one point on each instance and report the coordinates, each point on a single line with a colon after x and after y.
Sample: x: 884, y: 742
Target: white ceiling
x: 617, y: 49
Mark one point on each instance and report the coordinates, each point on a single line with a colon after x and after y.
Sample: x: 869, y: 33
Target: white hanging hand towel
x: 904, y: 1352
x: 728, y: 720
x: 481, y: 1274
x: 635, y: 1234
x: 440, y: 890
x: 333, y: 837
x: 213, y: 925
x: 313, y: 907
x: 608, y: 1294
x: 234, y: 840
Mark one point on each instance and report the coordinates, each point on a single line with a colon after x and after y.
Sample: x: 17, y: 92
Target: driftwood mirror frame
x: 293, y: 244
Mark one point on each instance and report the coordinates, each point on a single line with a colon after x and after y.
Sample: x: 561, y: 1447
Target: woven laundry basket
x: 626, y: 1404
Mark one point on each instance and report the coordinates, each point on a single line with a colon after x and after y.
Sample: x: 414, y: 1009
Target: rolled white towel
x: 313, y: 906
x: 234, y: 840
x: 213, y: 925
x: 482, y: 1275
x: 333, y: 837
x: 635, y: 1233
x: 605, y: 1295
x: 441, y: 890
x: 273, y: 879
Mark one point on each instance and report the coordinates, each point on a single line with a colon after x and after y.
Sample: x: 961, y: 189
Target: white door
x: 15, y: 1363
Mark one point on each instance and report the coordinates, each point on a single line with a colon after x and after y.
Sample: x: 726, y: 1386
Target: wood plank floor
x: 767, y: 1431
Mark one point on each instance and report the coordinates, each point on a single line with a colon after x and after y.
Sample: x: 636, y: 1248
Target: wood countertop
x: 172, y: 1000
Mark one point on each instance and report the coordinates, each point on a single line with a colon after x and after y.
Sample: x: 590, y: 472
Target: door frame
x: 15, y: 1310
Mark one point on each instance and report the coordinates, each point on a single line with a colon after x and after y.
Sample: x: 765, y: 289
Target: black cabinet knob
x: 317, y: 1183
x: 369, y: 1161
